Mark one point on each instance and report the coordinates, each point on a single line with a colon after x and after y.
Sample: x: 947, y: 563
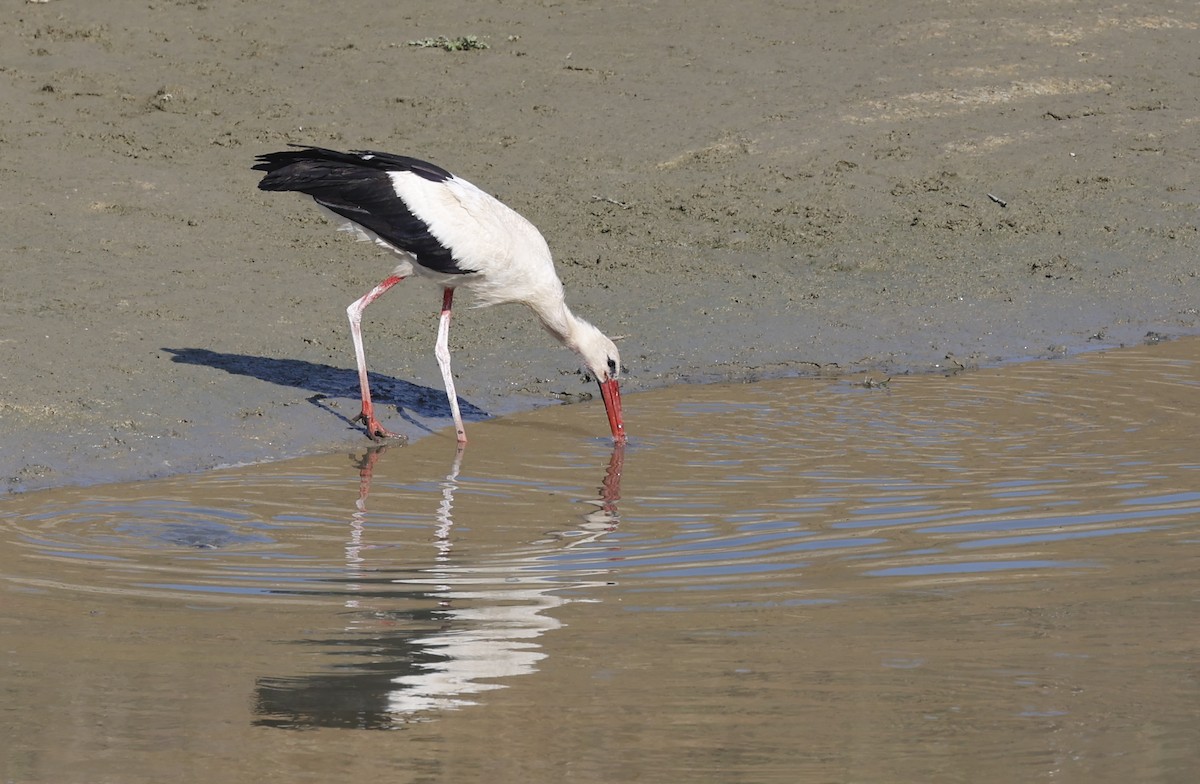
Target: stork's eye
x: 612, y: 366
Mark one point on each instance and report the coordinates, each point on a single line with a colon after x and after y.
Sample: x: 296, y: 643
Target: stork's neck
x: 559, y: 321
x: 570, y: 330
x: 599, y: 354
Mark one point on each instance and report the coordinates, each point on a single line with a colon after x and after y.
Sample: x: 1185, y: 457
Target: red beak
x: 611, y: 392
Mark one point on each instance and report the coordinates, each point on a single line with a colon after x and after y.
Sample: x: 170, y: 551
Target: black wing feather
x: 357, y: 187
x: 371, y: 159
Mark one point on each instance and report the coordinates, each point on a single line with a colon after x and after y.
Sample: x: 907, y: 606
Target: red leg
x: 375, y: 431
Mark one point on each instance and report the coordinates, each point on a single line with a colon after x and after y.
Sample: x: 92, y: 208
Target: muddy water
x: 989, y: 577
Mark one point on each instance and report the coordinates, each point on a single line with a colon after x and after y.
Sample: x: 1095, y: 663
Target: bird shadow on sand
x: 325, y: 381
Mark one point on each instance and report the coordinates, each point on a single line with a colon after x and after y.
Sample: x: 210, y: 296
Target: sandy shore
x: 739, y: 190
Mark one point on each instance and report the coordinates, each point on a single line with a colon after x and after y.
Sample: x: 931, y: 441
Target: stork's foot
x: 375, y: 431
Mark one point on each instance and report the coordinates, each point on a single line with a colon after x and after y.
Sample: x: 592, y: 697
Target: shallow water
x: 988, y: 577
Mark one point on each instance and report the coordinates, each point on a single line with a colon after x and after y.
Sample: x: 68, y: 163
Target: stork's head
x: 603, y: 361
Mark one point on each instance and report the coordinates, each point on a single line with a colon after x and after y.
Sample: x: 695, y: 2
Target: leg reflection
x: 426, y: 633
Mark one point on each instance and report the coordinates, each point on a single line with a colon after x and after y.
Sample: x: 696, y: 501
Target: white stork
x: 444, y: 228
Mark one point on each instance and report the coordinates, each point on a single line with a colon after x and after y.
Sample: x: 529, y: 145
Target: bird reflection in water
x: 427, y: 638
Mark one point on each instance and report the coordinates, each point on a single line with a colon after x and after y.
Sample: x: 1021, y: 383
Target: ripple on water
x: 95, y: 529
x: 738, y: 486
x: 795, y: 494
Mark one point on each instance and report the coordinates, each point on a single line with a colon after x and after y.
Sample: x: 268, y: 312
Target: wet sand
x: 741, y: 192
